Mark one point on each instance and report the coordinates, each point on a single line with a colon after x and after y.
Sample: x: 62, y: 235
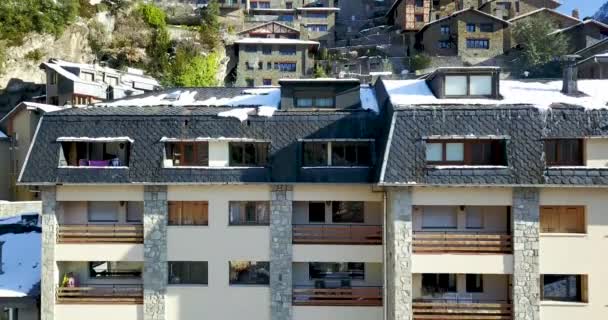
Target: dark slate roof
x: 526, y: 128
x: 147, y: 125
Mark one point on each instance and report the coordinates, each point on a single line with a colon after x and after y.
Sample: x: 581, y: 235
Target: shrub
x: 192, y: 69
x: 319, y: 72
x: 35, y: 55
x: 153, y: 16
x: 420, y: 61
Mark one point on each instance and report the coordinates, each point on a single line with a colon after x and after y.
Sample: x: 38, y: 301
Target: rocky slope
x: 602, y: 13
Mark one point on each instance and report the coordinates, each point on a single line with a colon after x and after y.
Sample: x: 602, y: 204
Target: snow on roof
x: 243, y: 113
x: 3, y: 135
x: 20, y: 263
x: 95, y: 139
x: 275, y: 41
x: 580, y: 24
x: 248, y: 97
x: 42, y: 106
x: 540, y: 94
x: 368, y: 99
x: 167, y: 139
x: 11, y: 220
x: 380, y: 73
x: 66, y: 74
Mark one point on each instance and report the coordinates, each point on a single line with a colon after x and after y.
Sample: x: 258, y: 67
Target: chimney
x: 570, y: 86
x: 575, y: 13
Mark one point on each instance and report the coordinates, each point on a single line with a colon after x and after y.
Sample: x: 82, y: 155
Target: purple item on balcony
x: 99, y: 163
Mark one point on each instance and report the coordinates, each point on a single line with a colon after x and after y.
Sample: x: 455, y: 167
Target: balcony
x: 101, y: 294
x: 100, y: 233
x: 461, y: 242
x: 354, y: 296
x: 337, y: 234
x: 437, y: 309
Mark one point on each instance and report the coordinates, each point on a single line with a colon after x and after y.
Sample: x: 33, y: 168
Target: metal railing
x: 461, y: 242
x: 106, y: 233
x: 354, y: 296
x: 436, y: 309
x: 101, y: 294
x: 337, y: 234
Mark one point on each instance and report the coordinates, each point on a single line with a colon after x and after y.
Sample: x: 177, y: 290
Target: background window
x: 103, y: 211
x: 182, y: 272
x: 249, y: 272
x: 316, y: 212
x: 474, y: 283
x: 486, y: 27
x: 347, y: 212
x: 115, y: 269
x: 562, y: 219
x: 471, y: 27
x: 248, y: 154
x: 329, y: 270
x: 249, y: 213
x: 564, y: 152
x: 434, y: 152
x: 314, y: 154
x: 188, y: 213
x: 568, y: 288
x: 469, y: 152
x: 455, y: 85
x: 445, y: 29
x: 438, y: 283
x: 350, y: 154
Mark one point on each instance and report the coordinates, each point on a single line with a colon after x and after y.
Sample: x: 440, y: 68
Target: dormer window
x: 468, y: 85
x: 249, y: 154
x: 483, y: 152
x: 356, y: 153
x: 465, y: 82
x: 185, y: 154
x: 318, y: 102
x: 564, y: 152
x: 95, y: 152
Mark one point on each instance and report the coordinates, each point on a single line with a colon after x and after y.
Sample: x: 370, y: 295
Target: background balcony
x: 461, y: 242
x: 337, y: 234
x: 102, y: 233
x: 355, y: 296
x: 431, y: 309
x: 101, y: 294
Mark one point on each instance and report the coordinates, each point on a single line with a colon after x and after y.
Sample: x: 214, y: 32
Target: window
x: 114, y: 269
x: 260, y: 65
x: 478, y: 43
x: 439, y: 217
x: 95, y: 154
x: 248, y: 154
x: 351, y: 154
x: 419, y: 3
x: 486, y: 27
x: 188, y: 272
x: 249, y: 213
x: 135, y: 211
x: 330, y: 270
x: 474, y: 283
x: 267, y: 82
x: 471, y: 27
x: 287, y: 50
x: 445, y: 44
x: 468, y: 85
x: 183, y: 154
x: 467, y: 152
x: 317, y: 27
x: 251, y: 48
x: 113, y: 81
x: 249, y: 272
x: 419, y: 18
x: 316, y: 15
x: 562, y: 219
x: 188, y: 213
x: 455, y: 85
x: 315, y: 102
x: 347, y: 212
x: 445, y: 29
x: 474, y: 218
x: 53, y: 76
x: 267, y: 50
x: 438, y: 283
x: 564, y: 152
x: 314, y: 154
x: 248, y: 65
x: 568, y: 288
x: 480, y: 85
x: 249, y: 82
x: 287, y: 66
x: 87, y: 76
x: 316, y: 212
x: 103, y: 211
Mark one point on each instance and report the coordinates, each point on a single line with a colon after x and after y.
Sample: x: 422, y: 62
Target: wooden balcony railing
x: 337, y: 234
x: 465, y: 310
x: 110, y: 233
x: 465, y: 242
x: 357, y: 297
x: 113, y: 294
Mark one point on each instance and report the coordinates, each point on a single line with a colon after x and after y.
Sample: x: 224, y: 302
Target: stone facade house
x: 585, y: 34
x: 473, y: 35
x: 273, y: 51
x: 508, y: 9
x: 594, y: 67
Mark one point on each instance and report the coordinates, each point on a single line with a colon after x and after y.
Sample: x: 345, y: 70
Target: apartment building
x: 458, y: 196
x: 79, y: 83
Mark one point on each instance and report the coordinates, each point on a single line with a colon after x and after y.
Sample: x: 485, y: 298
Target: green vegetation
x: 420, y: 61
x: 319, y: 72
x: 2, y: 56
x: 539, y: 50
x: 35, y: 55
x: 191, y: 69
x: 210, y: 25
x: 19, y: 17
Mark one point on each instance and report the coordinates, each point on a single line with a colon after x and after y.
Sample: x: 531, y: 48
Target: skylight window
x: 468, y: 86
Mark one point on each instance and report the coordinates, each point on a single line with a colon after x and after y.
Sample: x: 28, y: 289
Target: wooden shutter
x: 549, y: 219
x: 584, y: 288
x: 175, y: 213
x: 572, y: 220
x: 200, y: 213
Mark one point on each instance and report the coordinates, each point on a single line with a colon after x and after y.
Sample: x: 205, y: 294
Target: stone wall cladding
x: 11, y: 209
x: 399, y: 254
x: 155, y: 251
x: 49, y: 236
x: 281, y: 252
x: 526, y: 275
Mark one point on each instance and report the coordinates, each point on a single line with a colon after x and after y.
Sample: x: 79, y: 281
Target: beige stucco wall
x: 100, y: 193
x: 99, y: 252
x: 337, y: 313
x: 99, y: 312
x: 337, y: 253
x: 495, y: 287
x: 596, y: 152
x: 578, y: 254
x: 329, y: 192
x: 462, y: 196
x: 462, y: 263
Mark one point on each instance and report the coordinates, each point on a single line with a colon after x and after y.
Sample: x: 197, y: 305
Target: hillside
x: 602, y: 13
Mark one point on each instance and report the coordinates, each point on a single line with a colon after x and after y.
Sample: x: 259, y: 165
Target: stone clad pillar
x: 526, y: 275
x: 49, y: 273
x: 281, y: 212
x: 155, y: 252
x: 399, y: 253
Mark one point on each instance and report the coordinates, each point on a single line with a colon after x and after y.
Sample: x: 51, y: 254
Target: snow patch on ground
x: 20, y: 263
